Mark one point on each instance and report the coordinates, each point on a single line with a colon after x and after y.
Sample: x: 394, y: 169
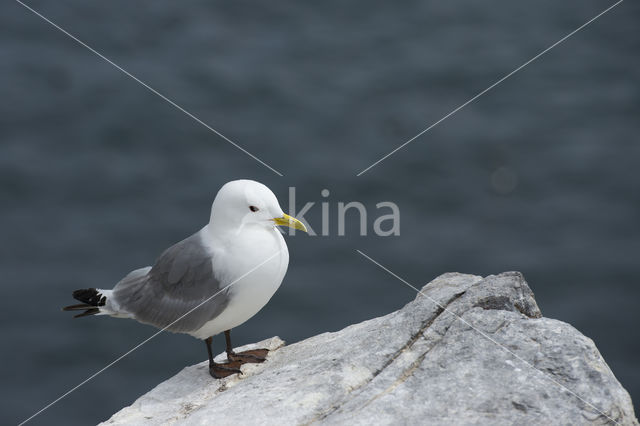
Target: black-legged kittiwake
x: 212, y: 281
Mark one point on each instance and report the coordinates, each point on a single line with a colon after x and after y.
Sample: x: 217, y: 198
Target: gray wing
x: 181, y: 279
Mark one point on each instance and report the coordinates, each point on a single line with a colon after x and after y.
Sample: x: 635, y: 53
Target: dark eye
x: 253, y: 208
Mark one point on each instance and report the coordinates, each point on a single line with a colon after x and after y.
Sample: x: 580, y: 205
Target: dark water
x: 98, y: 175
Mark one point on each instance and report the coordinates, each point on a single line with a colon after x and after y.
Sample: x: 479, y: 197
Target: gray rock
x: 467, y: 350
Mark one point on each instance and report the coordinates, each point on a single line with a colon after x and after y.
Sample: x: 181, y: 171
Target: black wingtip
x: 91, y: 300
x: 88, y: 312
x: 90, y: 296
x: 79, y: 307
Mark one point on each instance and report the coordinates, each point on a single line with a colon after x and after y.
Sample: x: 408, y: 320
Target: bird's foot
x: 251, y: 356
x: 220, y: 371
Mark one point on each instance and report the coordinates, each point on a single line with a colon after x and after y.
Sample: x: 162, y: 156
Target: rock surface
x: 483, y: 354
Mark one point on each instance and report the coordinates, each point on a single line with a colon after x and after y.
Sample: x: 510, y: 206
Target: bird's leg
x: 252, y: 356
x: 218, y: 371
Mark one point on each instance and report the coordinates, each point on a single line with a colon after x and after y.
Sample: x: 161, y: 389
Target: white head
x: 248, y: 203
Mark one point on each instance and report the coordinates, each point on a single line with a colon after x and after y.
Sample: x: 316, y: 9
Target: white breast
x: 256, y: 261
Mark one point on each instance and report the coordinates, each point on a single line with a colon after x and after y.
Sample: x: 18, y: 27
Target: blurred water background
x: 98, y: 175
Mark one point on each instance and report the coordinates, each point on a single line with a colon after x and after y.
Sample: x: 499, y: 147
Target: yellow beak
x: 289, y: 221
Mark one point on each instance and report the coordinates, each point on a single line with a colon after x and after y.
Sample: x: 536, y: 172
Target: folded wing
x: 168, y: 294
